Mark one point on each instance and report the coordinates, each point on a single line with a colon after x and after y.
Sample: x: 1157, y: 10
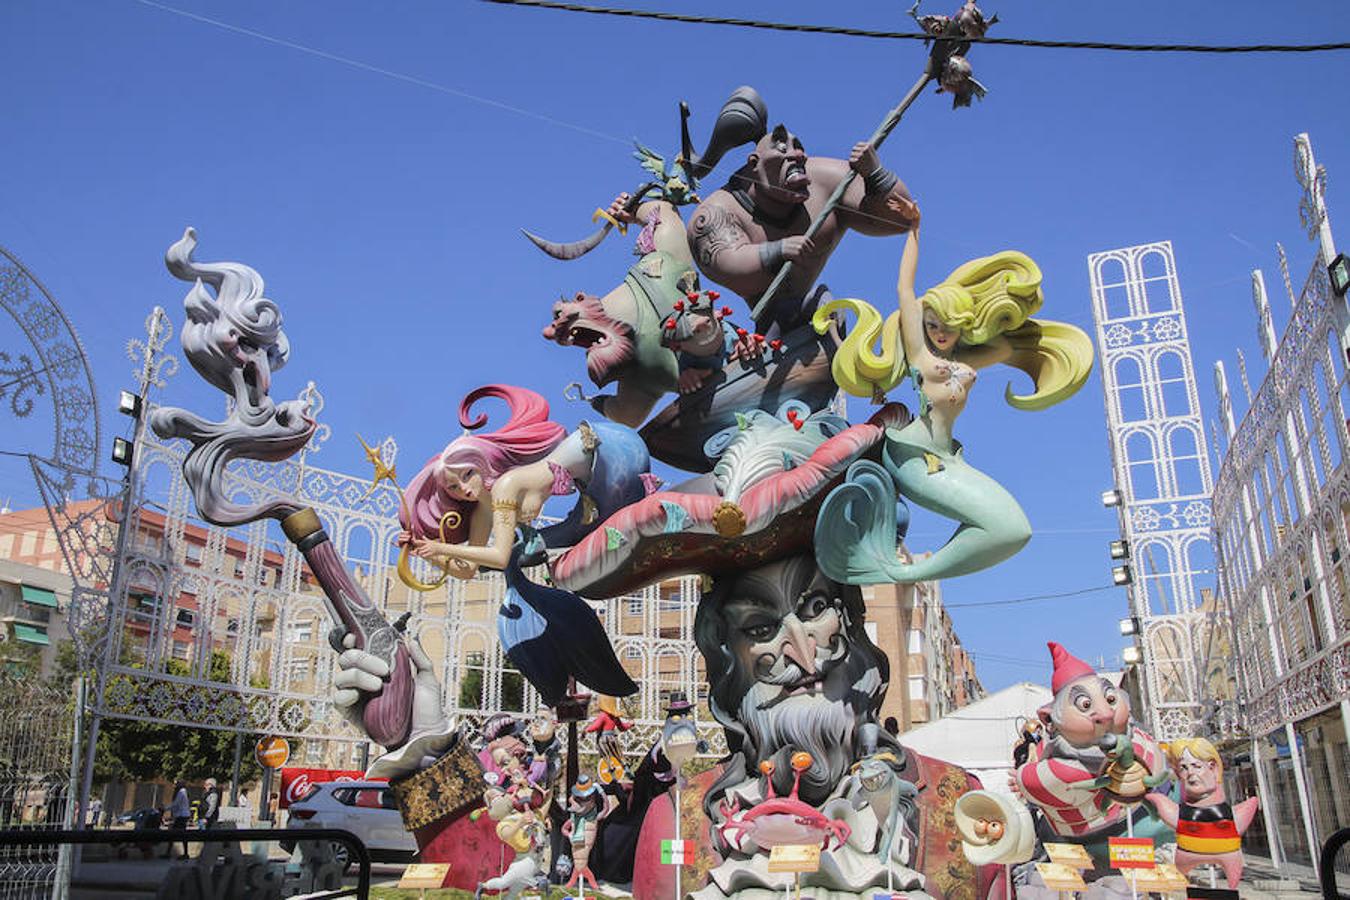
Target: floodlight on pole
x: 121, y: 452
x: 1132, y: 656
x: 1122, y: 576
x: 1129, y: 627
x: 1120, y: 549
x: 1112, y: 497
x: 1339, y: 272
x: 129, y: 404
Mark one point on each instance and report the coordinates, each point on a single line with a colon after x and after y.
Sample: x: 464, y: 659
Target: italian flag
x: 676, y: 853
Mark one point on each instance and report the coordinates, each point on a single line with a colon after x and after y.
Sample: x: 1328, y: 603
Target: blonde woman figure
x: 978, y: 316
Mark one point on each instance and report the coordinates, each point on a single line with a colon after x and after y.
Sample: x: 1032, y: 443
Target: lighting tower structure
x: 1161, y: 466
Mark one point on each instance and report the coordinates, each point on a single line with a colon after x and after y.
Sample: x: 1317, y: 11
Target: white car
x: 365, y: 808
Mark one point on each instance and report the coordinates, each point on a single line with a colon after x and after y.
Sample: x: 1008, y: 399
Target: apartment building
x: 931, y: 673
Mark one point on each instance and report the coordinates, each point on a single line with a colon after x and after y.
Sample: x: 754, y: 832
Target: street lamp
x: 1122, y: 576
x: 1132, y: 656
x: 1112, y: 497
x: 1120, y: 549
x: 1129, y: 627
x: 1339, y: 272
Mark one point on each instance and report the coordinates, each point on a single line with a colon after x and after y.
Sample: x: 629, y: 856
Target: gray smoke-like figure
x: 235, y: 342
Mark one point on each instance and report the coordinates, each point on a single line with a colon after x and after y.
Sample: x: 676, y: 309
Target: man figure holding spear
x: 743, y: 232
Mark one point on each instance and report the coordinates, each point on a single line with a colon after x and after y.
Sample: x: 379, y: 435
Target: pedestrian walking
x: 180, y: 810
x: 211, y: 804
x: 95, y: 810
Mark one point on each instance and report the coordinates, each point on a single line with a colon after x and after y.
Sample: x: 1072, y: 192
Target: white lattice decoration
x: 251, y: 597
x: 1161, y: 464
x: 1280, y: 501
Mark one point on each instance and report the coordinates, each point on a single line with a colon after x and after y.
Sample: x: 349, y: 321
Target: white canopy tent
x: 980, y: 737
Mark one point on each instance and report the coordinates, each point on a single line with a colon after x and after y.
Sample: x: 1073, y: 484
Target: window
x: 915, y: 641
x: 632, y: 651
x: 232, y: 626
x: 185, y: 618
x: 36, y: 596
x: 635, y: 606
x: 193, y: 553
x: 916, y: 689
x: 30, y: 634
x: 181, y: 650
x: 301, y: 632
x: 299, y: 669
x: 142, y: 607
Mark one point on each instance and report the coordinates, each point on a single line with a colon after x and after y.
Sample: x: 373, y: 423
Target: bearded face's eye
x: 813, y: 607
x: 760, y: 631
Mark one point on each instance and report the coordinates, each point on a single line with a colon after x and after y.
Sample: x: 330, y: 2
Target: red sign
x: 295, y: 783
x: 1131, y: 853
x: 272, y: 752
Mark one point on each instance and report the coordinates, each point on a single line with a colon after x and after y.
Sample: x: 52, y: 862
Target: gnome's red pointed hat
x: 1068, y: 668
x: 672, y: 533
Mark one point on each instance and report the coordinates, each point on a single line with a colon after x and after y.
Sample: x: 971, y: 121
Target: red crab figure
x: 780, y: 820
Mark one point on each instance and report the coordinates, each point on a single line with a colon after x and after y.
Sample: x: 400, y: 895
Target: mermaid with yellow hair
x: 980, y: 315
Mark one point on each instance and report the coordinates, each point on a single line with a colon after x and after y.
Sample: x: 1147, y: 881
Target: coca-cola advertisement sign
x: 296, y: 782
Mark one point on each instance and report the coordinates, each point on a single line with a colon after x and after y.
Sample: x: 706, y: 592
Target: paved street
x: 135, y: 878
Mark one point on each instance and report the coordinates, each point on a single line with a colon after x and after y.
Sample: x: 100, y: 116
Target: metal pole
x: 265, y: 801
x: 234, y: 776
x: 1345, y: 718
x: 878, y: 137
x: 1267, y: 810
x: 679, y: 867
x: 1129, y: 831
x: 1304, y: 799
x: 64, y: 855
x: 116, y: 601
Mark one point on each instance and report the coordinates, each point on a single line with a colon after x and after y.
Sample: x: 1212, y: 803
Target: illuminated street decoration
x: 1160, y: 463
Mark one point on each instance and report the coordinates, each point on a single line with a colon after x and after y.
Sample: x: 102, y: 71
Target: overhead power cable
x: 805, y: 28
x: 1016, y: 600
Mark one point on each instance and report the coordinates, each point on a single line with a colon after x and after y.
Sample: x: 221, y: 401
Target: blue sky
x: 374, y: 162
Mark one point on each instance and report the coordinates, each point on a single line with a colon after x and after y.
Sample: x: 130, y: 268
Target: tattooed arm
x: 721, y: 247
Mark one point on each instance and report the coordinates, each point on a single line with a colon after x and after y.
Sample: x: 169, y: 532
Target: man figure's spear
x: 947, y: 64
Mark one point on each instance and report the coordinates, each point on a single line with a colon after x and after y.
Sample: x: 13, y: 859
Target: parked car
x: 365, y: 808
x: 147, y: 818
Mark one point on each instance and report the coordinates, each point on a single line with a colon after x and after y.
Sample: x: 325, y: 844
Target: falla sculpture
x: 724, y: 353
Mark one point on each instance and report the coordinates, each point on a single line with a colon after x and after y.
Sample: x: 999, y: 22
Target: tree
x: 143, y: 751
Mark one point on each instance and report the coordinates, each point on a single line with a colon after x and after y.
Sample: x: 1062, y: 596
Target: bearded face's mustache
x: 824, y: 728
x: 792, y: 674
x: 1092, y: 757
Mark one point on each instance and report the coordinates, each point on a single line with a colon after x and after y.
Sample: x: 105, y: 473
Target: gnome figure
x: 1089, y: 739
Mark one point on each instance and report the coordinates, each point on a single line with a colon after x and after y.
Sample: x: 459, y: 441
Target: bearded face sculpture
x: 791, y: 669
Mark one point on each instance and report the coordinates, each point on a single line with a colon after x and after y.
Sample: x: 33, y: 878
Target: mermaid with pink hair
x: 472, y: 506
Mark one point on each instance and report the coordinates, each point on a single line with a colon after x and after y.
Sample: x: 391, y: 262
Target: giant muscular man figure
x: 743, y: 232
